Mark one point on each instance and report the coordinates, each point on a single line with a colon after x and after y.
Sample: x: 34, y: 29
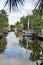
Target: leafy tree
x: 3, y: 20
x: 17, y: 24
x: 24, y: 20
x: 36, y: 24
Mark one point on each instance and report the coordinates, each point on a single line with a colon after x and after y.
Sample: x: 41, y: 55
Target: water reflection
x: 23, y: 42
x: 13, y: 49
x: 3, y: 44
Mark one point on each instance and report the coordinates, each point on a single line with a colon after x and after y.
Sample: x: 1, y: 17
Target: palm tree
x: 39, y: 5
x: 13, y: 3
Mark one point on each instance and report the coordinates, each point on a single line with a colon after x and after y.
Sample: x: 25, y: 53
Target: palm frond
x: 40, y: 3
x: 37, y: 3
x: 13, y: 3
x: 40, y: 6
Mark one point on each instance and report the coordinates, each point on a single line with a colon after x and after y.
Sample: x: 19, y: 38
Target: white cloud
x: 23, y: 11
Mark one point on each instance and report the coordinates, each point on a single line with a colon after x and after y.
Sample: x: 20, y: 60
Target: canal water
x: 13, y: 49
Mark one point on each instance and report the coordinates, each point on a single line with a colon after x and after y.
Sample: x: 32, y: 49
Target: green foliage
x: 24, y: 20
x: 3, y: 43
x: 36, y: 23
x: 34, y: 46
x: 23, y: 23
x: 17, y: 24
x: 17, y: 34
x: 23, y: 42
x: 3, y: 20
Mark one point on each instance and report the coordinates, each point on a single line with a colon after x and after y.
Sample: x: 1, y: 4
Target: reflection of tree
x: 23, y: 42
x: 3, y: 44
x: 36, y: 24
x: 36, y: 49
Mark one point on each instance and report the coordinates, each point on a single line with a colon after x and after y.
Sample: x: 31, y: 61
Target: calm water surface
x: 13, y: 49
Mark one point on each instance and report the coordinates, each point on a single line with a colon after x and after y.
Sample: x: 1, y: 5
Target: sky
x: 25, y: 10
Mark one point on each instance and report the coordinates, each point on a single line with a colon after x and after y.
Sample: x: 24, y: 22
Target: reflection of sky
x: 13, y: 52
x: 11, y: 38
x: 23, y: 11
x: 13, y: 48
